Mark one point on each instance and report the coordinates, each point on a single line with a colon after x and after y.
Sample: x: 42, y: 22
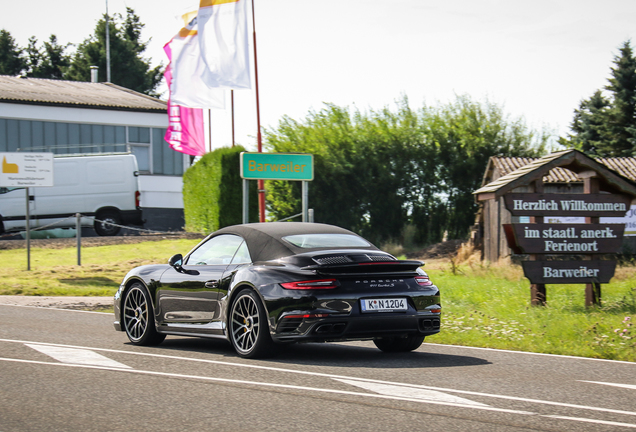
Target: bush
x: 213, y: 192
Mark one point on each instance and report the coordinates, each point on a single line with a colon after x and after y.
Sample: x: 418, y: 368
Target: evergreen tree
x: 48, y: 61
x: 128, y: 68
x: 589, y: 124
x: 621, y: 119
x: 11, y: 60
x: 606, y: 125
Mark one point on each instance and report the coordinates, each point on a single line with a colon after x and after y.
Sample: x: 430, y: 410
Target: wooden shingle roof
x: 76, y: 94
x: 558, y: 167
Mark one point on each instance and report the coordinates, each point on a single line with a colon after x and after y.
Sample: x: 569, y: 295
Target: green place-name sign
x: 277, y: 166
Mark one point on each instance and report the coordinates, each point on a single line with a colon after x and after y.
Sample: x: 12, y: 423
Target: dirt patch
x: 61, y: 243
x: 75, y: 303
x: 438, y: 250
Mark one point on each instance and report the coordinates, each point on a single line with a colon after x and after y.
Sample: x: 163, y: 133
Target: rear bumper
x: 340, y: 328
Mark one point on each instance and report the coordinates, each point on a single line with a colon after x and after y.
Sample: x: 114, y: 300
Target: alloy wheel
x: 136, y: 314
x: 245, y: 323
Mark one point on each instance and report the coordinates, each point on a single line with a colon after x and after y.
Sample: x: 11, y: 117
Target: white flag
x: 223, y: 38
x: 189, y: 87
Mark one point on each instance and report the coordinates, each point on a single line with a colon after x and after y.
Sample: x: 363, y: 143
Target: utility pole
x: 107, y: 45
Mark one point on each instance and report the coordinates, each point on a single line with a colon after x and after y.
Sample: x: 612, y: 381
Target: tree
x: 11, y: 60
x: 465, y: 135
x: 128, y: 68
x: 606, y: 126
x: 622, y: 85
x: 589, y: 124
x: 379, y: 173
x: 48, y: 61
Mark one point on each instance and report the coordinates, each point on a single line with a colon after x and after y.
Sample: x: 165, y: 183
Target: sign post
x: 277, y: 166
x: 25, y: 170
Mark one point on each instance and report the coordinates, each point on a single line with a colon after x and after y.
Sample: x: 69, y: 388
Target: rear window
x: 311, y: 241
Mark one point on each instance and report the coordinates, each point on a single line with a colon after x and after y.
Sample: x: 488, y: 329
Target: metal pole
x: 78, y: 229
x: 209, y: 143
x: 232, y: 98
x: 305, y: 193
x: 246, y: 201
x: 259, y: 138
x: 107, y: 46
x: 28, y: 231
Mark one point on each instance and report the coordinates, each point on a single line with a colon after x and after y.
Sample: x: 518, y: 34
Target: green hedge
x: 213, y: 192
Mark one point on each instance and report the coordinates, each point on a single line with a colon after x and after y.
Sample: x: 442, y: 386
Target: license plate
x: 383, y: 305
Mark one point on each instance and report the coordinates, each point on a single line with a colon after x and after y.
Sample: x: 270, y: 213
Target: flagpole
x: 259, y: 139
x: 107, y: 45
x: 232, y: 98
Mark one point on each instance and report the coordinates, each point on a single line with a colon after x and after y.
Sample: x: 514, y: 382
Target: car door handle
x: 212, y: 284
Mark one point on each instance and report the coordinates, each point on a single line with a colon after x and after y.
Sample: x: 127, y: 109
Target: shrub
x: 213, y: 192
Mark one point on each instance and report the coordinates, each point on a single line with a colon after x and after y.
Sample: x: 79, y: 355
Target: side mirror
x: 176, y: 261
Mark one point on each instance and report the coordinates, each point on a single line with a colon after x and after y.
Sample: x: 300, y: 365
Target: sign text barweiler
x: 277, y: 166
x: 531, y: 204
x: 565, y: 238
x: 568, y: 272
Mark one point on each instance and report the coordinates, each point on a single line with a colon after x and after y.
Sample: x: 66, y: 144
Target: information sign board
x: 26, y: 169
x: 277, y: 166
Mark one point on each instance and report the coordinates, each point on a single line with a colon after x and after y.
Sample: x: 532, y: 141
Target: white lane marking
x: 627, y: 386
x: 529, y: 353
x: 77, y: 356
x: 410, y: 392
x: 319, y: 374
x: 586, y: 420
x: 271, y: 385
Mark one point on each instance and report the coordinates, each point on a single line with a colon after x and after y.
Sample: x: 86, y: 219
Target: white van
x: 104, y: 187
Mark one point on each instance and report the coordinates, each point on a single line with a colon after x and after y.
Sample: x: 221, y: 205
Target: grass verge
x: 489, y: 306
x: 54, y: 272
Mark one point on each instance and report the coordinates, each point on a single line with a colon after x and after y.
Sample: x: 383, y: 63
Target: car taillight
x: 423, y: 280
x: 311, y: 284
x: 137, y: 196
x: 303, y: 316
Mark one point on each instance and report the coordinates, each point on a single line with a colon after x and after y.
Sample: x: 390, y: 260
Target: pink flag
x: 185, y: 130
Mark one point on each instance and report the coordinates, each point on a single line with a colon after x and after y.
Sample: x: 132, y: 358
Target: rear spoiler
x: 368, y: 267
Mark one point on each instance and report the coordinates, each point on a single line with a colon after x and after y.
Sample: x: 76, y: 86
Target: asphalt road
x: 64, y: 370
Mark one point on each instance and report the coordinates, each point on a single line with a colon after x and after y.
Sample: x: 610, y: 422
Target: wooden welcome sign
x: 571, y: 239
x: 557, y: 253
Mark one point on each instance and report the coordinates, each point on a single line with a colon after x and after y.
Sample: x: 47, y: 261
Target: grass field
x: 54, y: 272
x: 483, y: 305
x: 489, y: 306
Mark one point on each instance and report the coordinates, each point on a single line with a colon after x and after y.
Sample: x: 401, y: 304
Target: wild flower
x: 625, y: 333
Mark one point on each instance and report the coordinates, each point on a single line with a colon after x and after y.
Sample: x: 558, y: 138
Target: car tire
x: 138, y: 317
x: 248, y: 327
x: 104, y: 228
x: 399, y: 344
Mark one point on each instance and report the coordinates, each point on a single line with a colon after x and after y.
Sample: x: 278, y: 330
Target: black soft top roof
x: 265, y: 240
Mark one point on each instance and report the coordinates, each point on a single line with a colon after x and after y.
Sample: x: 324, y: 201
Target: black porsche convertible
x: 266, y: 284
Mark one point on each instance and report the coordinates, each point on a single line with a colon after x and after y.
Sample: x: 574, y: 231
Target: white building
x: 71, y: 117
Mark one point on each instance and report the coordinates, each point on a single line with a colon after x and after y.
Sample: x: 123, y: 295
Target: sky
x: 537, y: 59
